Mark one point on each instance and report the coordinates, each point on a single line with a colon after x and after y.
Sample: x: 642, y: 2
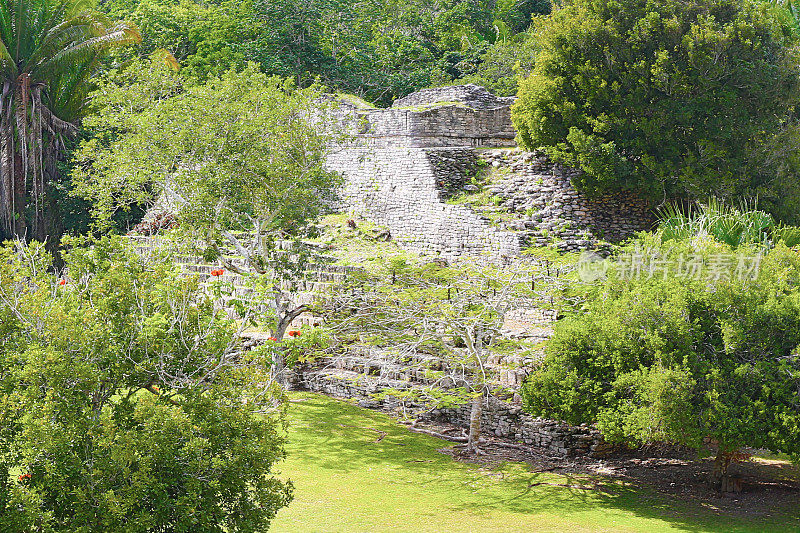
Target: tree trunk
x: 285, y: 318
x: 20, y: 225
x: 475, y: 423
x: 719, y: 474
x: 279, y: 367
x: 279, y: 363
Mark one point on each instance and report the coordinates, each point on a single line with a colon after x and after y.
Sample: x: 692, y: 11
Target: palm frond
x: 789, y: 235
x: 65, y: 35
x: 676, y: 223
x: 49, y: 50
x: 8, y: 68
x: 119, y: 35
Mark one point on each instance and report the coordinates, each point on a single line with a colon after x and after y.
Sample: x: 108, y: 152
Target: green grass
x: 354, y: 247
x: 346, y: 481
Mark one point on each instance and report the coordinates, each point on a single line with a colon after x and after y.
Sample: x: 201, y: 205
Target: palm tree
x: 49, y: 50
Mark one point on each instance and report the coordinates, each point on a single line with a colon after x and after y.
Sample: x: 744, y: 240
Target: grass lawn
x: 346, y: 479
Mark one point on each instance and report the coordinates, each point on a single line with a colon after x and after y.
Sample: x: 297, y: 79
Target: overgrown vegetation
x: 49, y: 51
x: 377, y: 50
x: 730, y: 225
x: 668, y: 98
x: 127, y: 399
x: 684, y: 341
x: 124, y: 403
x: 455, y: 313
x: 240, y: 159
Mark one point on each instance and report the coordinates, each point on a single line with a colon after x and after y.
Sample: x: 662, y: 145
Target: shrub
x: 123, y: 406
x: 681, y: 358
x: 664, y: 97
x: 730, y: 225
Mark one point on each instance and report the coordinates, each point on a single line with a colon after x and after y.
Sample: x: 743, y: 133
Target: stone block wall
x: 404, y: 189
x: 499, y: 418
x: 509, y: 421
x: 470, y: 95
x: 465, y: 115
x: 447, y: 125
x: 406, y: 161
x: 534, y: 316
x: 551, y: 208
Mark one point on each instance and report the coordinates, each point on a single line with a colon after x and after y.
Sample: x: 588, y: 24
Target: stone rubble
x: 352, y: 379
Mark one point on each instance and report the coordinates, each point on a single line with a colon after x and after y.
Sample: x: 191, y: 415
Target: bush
x: 123, y: 406
x: 502, y: 66
x: 730, y: 225
x: 666, y: 358
x: 664, y: 97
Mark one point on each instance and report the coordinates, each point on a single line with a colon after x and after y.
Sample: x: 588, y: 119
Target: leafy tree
x: 240, y: 159
x: 202, y: 37
x: 517, y: 14
x: 679, y: 357
x: 453, y: 313
x: 49, y: 49
x: 376, y: 49
x: 503, y: 65
x: 126, y: 405
x: 663, y: 97
x: 286, y: 37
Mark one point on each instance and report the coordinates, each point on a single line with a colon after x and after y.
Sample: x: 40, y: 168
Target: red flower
x: 23, y: 477
x: 294, y: 333
x: 62, y: 282
x: 217, y: 272
x: 273, y: 339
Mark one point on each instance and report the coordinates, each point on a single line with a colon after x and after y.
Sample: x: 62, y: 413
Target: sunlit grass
x: 350, y: 477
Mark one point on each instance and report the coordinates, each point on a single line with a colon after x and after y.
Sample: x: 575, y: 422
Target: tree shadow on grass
x: 575, y: 492
x: 338, y: 437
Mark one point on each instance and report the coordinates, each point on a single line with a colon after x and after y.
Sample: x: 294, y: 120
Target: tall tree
x: 49, y: 50
x: 668, y: 98
x: 239, y: 159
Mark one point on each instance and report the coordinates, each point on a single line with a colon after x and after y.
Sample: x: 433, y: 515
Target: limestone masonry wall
x: 463, y: 115
x: 408, y: 160
x: 450, y: 125
x: 403, y: 188
x: 470, y: 95
x: 509, y: 421
x: 499, y: 418
x: 551, y: 210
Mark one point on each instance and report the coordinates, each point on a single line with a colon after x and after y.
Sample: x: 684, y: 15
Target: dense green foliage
x: 49, y: 49
x: 376, y: 49
x: 668, y: 98
x: 503, y: 65
x: 227, y: 154
x: 122, y: 406
x: 668, y: 355
x: 240, y: 159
